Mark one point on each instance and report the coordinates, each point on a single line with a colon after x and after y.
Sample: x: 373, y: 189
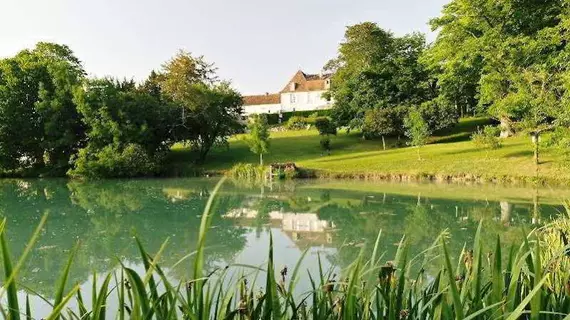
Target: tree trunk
x: 383, y: 143
x: 261, y: 159
x: 535, y: 141
x: 506, y: 211
x: 506, y: 130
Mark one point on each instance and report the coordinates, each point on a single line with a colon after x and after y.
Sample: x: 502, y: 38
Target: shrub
x: 114, y: 161
x: 325, y: 126
x: 273, y: 118
x: 296, y: 123
x: 247, y: 172
x: 326, y: 143
x: 487, y: 139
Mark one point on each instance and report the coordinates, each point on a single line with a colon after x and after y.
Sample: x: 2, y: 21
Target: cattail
x: 386, y: 273
x: 283, y: 273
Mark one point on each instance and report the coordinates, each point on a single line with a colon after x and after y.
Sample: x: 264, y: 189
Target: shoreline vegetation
x: 450, y: 157
x: 530, y: 280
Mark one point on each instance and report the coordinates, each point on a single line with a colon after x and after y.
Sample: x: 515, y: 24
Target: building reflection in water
x: 305, y: 229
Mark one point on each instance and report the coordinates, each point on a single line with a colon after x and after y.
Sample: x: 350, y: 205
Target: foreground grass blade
x: 11, y: 272
x: 458, y: 306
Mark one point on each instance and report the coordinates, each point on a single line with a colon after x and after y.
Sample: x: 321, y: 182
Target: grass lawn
x: 450, y: 153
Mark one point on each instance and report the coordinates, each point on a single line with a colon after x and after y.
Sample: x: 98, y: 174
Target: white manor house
x: 304, y: 92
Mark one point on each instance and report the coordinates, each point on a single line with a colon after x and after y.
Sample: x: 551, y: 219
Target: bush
x: 273, y: 118
x: 438, y: 115
x: 115, y: 162
x: 325, y: 126
x: 296, y: 123
x: 247, y: 172
x: 487, y: 139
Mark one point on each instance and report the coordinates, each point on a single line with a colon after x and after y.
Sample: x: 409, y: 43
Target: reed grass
x: 530, y: 281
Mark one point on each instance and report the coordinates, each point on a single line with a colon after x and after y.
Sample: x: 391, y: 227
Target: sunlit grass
x: 450, y: 153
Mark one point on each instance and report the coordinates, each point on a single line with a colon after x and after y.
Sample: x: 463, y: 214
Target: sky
x: 257, y: 44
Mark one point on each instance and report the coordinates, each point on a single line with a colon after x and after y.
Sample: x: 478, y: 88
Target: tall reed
x: 524, y: 282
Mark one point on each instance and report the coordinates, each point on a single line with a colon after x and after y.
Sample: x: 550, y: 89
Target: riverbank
x: 450, y: 156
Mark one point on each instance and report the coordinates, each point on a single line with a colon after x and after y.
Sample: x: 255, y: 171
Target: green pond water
x: 331, y: 219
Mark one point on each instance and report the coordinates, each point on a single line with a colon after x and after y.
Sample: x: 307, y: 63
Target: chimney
x: 266, y: 94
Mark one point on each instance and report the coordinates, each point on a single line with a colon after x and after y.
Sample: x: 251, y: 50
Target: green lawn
x: 450, y: 153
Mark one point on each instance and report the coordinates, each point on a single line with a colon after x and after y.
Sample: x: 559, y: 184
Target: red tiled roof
x: 262, y: 99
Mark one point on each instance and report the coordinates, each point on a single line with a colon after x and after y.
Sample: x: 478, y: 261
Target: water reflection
x: 333, y: 219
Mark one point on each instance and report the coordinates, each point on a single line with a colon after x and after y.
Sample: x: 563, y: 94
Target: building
x: 304, y: 92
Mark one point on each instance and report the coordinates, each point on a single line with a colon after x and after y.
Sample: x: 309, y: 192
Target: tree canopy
x: 53, y: 119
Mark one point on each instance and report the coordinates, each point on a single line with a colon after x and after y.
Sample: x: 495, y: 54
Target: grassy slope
x: 450, y: 153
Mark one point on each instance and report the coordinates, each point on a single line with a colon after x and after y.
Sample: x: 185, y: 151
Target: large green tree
x: 129, y: 130
x: 210, y: 110
x: 39, y: 124
x: 377, y: 70
x: 490, y: 53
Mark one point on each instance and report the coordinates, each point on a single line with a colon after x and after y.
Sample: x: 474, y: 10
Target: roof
x: 307, y: 82
x: 262, y: 99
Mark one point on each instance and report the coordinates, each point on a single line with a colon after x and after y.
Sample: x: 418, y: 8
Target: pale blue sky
x: 258, y: 44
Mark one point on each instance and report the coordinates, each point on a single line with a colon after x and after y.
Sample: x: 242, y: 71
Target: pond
x: 332, y: 220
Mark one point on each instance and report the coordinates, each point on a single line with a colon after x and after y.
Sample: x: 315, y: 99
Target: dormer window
x: 292, y: 86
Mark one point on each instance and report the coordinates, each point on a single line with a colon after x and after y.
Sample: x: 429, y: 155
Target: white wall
x: 304, y: 101
x: 262, y: 108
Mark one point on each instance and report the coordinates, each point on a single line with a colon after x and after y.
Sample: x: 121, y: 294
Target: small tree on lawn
x: 326, y: 127
x: 380, y: 122
x: 417, y: 130
x: 258, y: 139
x: 487, y: 139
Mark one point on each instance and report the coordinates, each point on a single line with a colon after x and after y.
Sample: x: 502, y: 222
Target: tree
x: 417, y: 130
x: 258, y: 139
x: 39, y: 123
x: 381, y: 122
x: 507, y: 56
x: 326, y: 127
x: 128, y: 131
x: 209, y: 109
x: 376, y: 70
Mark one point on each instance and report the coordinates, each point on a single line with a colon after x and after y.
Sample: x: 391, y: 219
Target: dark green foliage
x: 273, y: 118
x: 383, y: 122
x: 116, y: 161
x: 325, y: 126
x: 53, y: 119
x: 376, y: 70
x: 39, y: 124
x: 128, y: 130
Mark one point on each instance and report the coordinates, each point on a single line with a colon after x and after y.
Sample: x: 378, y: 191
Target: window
x: 293, y: 98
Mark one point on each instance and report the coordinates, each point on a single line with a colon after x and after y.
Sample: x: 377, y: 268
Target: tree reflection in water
x: 103, y: 216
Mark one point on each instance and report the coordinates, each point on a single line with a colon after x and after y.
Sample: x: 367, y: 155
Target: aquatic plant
x: 479, y: 284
